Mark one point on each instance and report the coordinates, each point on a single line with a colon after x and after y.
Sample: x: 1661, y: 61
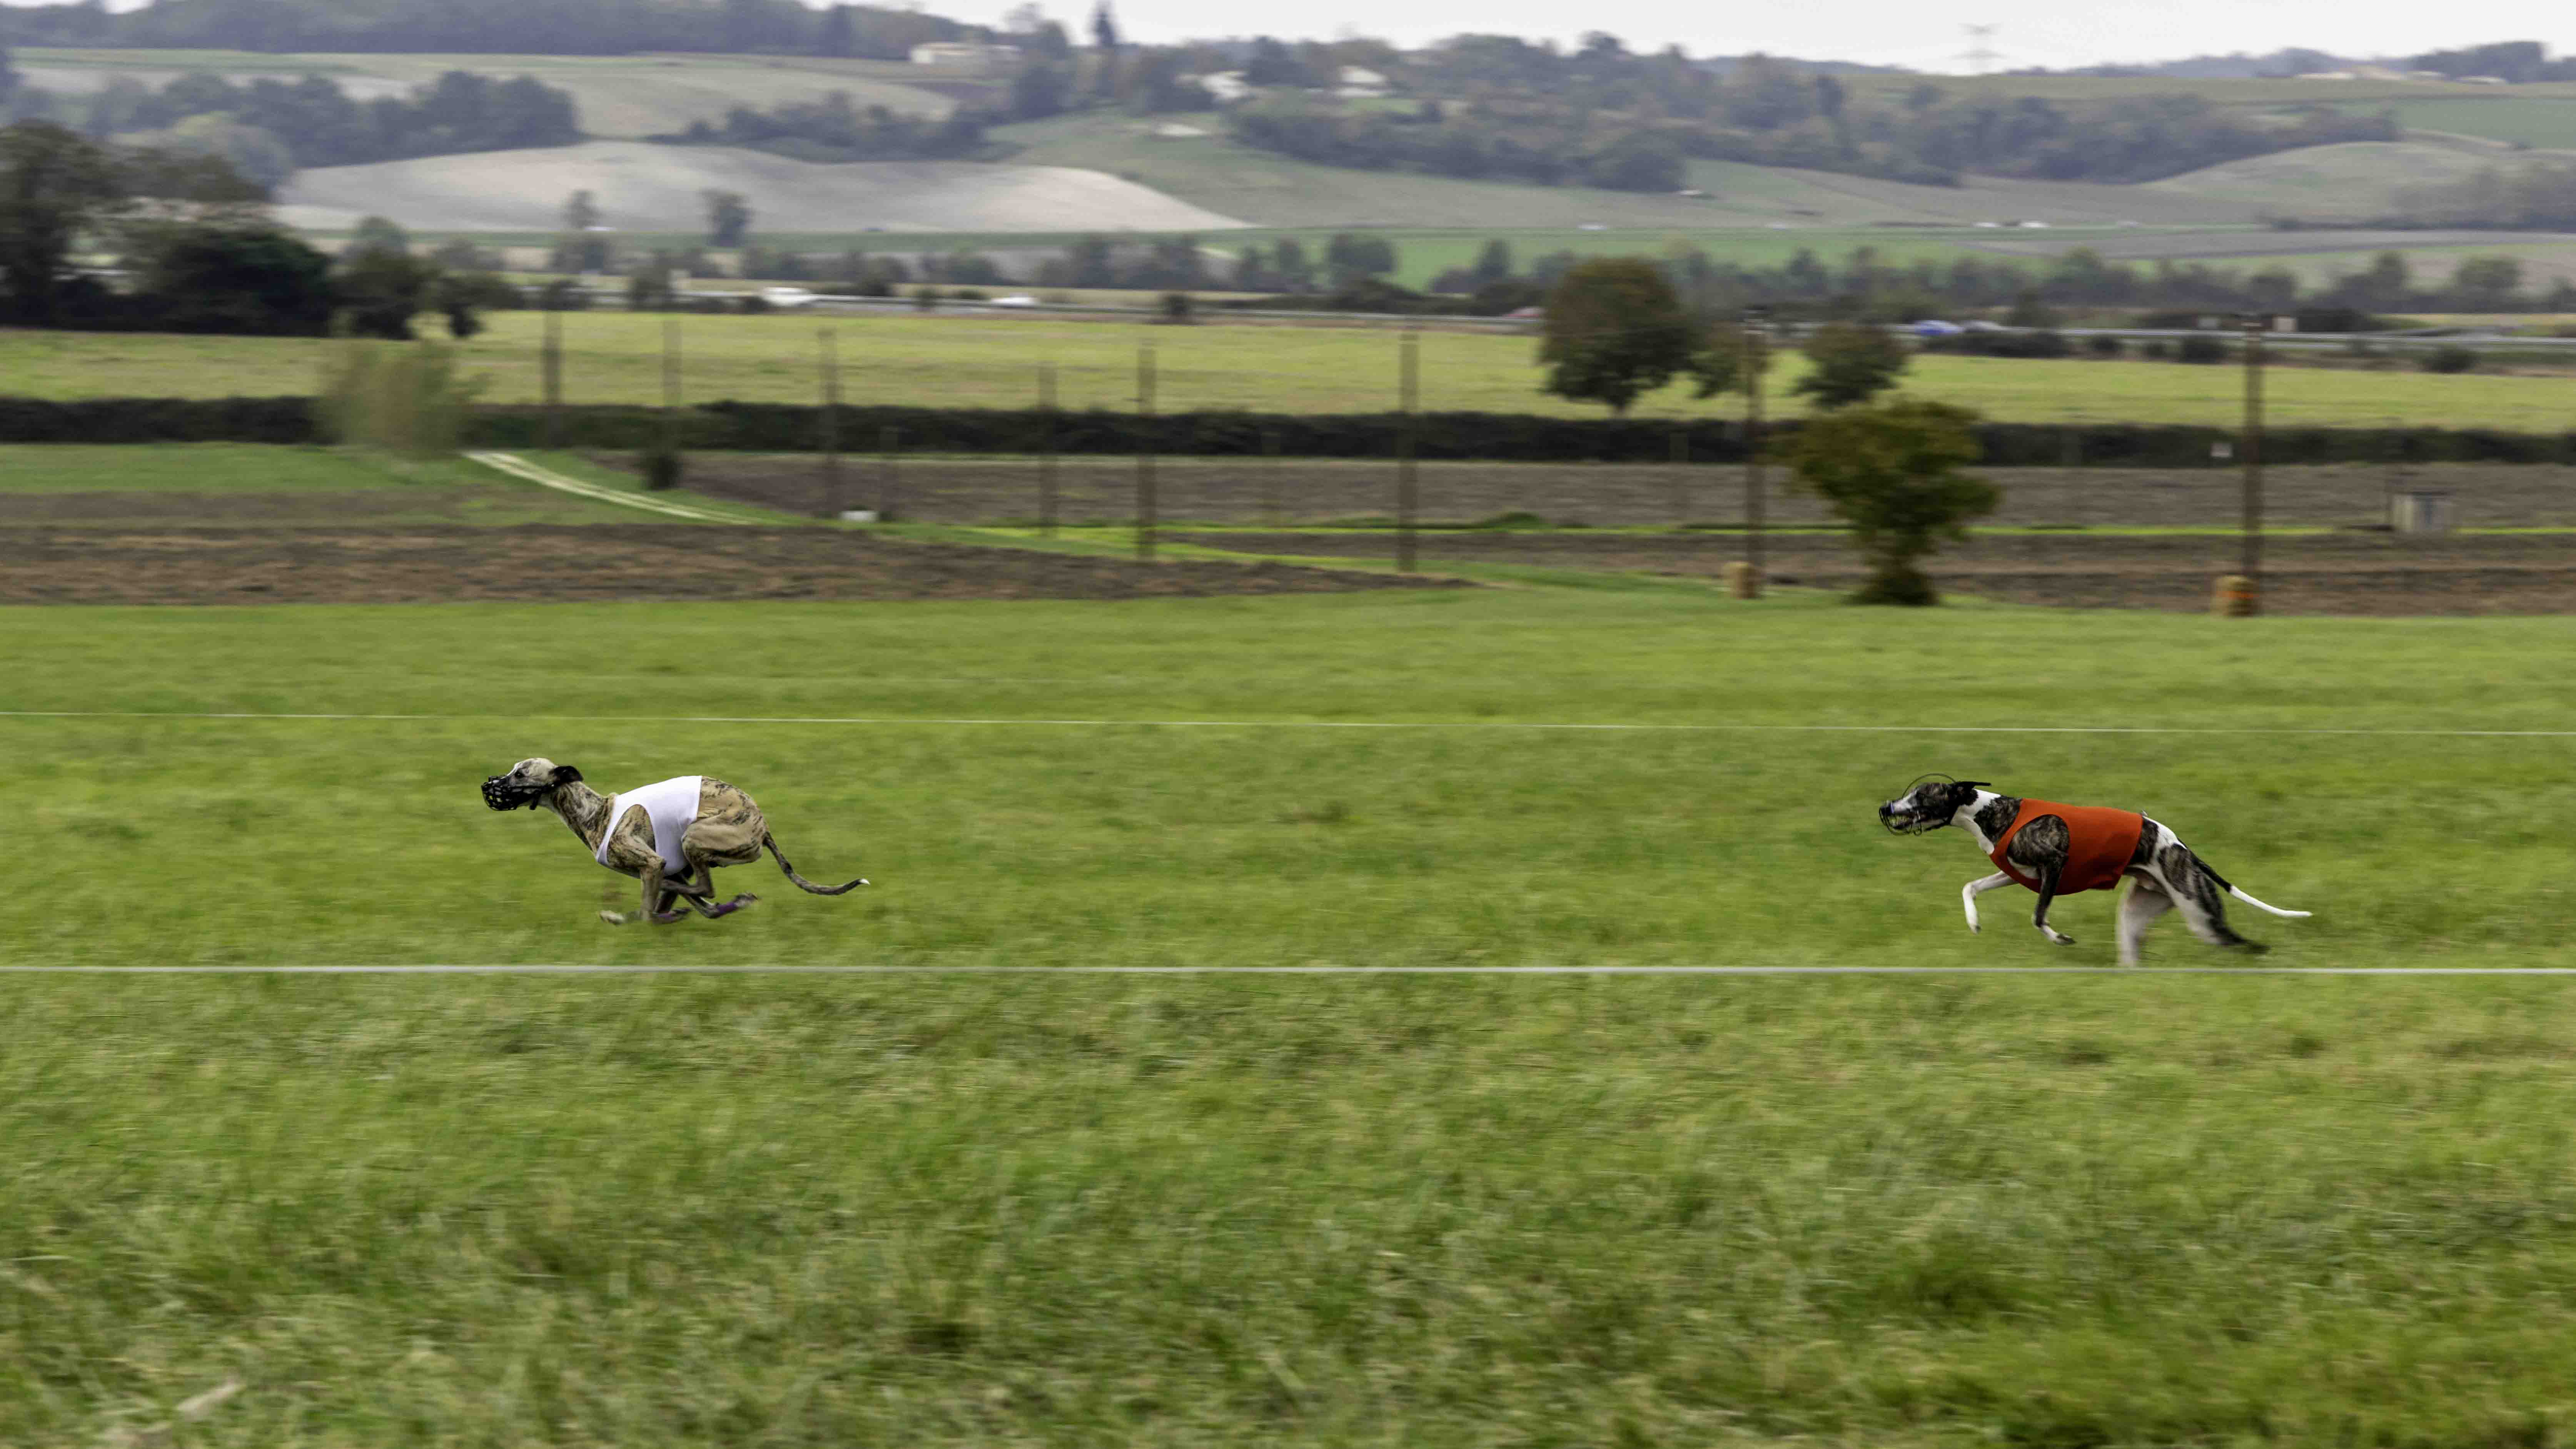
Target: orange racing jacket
x: 2100, y: 844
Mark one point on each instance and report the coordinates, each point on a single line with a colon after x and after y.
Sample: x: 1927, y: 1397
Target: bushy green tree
x: 253, y: 279
x: 2487, y: 284
x: 1349, y: 256
x: 1848, y: 363
x: 54, y: 186
x: 728, y: 218
x: 1614, y: 331
x: 377, y: 234
x: 1893, y: 472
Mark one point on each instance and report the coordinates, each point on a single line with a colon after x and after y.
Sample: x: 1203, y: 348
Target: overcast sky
x: 1881, y: 32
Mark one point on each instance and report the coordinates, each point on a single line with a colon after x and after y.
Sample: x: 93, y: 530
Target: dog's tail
x: 2267, y: 906
x: 2233, y: 889
x: 801, y: 882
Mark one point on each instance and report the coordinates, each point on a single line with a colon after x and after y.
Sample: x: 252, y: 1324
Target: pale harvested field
x: 2147, y: 246
x: 641, y: 187
x: 1605, y: 495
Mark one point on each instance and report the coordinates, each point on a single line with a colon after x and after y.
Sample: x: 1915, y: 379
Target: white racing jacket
x: 672, y: 806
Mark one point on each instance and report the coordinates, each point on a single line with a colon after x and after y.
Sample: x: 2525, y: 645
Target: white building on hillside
x: 966, y: 56
x: 1228, y: 86
x: 1360, y: 83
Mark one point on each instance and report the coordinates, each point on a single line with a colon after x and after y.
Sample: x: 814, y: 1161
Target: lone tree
x: 1614, y: 332
x: 1729, y: 356
x: 377, y: 234
x: 728, y: 218
x: 1892, y: 472
x: 1848, y: 363
x: 381, y: 291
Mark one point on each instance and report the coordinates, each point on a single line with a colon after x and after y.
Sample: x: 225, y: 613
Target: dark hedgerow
x: 795, y: 428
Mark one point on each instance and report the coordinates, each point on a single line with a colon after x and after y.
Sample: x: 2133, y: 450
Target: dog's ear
x: 1976, y: 784
x: 563, y: 775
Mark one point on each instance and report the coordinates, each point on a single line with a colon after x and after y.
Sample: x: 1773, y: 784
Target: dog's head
x: 528, y: 784
x: 1929, y: 804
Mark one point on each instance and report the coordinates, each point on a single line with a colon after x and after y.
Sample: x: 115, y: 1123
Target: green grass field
x: 2545, y: 123
x: 303, y: 487
x: 993, y: 362
x: 618, y: 96
x: 2048, y: 1210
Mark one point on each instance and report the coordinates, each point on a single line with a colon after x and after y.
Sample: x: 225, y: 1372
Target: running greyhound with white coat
x: 670, y: 835
x: 2061, y: 849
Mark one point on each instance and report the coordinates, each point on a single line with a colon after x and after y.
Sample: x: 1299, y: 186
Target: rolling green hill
x: 1105, y: 170
x: 1263, y: 187
x: 2360, y: 181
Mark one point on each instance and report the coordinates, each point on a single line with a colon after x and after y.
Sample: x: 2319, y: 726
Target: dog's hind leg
x: 2195, y: 891
x: 699, y: 890
x: 2139, y: 909
x: 698, y: 887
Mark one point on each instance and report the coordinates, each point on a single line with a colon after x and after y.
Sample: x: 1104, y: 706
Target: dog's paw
x: 2061, y: 939
x: 2253, y: 948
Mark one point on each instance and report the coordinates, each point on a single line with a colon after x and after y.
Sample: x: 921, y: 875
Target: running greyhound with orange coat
x: 2061, y: 849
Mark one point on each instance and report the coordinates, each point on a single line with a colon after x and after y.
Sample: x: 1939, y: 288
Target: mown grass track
x: 2053, y: 1210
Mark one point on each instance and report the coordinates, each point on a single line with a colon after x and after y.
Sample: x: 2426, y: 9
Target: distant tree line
x: 533, y: 27
x: 268, y: 129
x: 2539, y: 196
x: 195, y: 250
x: 319, y: 125
x: 2519, y: 61
x: 835, y: 129
x: 1866, y: 285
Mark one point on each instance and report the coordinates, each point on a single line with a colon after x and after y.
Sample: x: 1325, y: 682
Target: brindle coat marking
x: 729, y: 830
x: 2163, y: 873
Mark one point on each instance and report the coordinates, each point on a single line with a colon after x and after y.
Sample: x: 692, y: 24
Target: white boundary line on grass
x: 1291, y: 724
x: 521, y: 468
x: 2106, y: 972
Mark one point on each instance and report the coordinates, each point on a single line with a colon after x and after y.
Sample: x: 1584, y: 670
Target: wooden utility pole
x: 1408, y: 402
x: 832, y: 504
x: 1148, y: 502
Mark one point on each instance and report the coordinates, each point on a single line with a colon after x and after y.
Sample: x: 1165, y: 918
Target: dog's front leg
x: 658, y: 902
x: 2048, y: 897
x: 1968, y: 894
x: 659, y: 898
x: 657, y: 909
